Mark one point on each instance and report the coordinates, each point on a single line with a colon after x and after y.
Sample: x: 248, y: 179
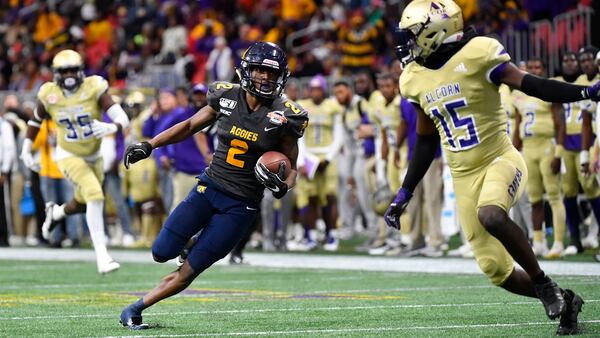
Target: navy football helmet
x: 264, y: 55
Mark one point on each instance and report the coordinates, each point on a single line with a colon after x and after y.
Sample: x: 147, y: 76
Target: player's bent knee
x: 492, y: 217
x: 493, y: 270
x: 158, y: 258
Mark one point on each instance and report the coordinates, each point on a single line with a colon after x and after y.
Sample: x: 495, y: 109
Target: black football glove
x: 272, y: 181
x: 136, y: 152
x: 392, y: 214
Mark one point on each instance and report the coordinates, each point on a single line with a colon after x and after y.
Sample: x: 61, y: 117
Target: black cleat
x: 568, y: 320
x: 551, y: 297
x: 132, y: 319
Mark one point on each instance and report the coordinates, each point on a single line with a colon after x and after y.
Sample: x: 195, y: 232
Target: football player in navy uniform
x: 253, y: 119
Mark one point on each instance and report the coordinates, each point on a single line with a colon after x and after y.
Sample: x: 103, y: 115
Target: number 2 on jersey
x: 457, y: 143
x: 236, y: 147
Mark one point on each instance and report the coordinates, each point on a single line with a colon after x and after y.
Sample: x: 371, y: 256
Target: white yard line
x: 293, y: 309
x: 364, y: 329
x: 287, y: 261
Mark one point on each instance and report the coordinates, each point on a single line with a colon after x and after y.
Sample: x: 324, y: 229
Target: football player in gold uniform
x: 574, y: 154
x: 540, y: 133
x: 588, y: 133
x: 452, y: 78
x: 75, y: 103
x: 323, y: 138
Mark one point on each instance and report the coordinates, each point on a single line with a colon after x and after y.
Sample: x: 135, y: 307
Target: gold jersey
x: 573, y: 118
x: 536, y: 116
x: 319, y: 132
x: 588, y: 105
x: 385, y: 115
x: 506, y: 99
x: 74, y: 114
x: 463, y: 103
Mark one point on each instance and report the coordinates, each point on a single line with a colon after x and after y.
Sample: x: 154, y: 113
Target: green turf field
x: 59, y: 299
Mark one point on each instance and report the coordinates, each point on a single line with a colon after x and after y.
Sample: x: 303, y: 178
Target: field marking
x: 361, y: 329
x: 204, y: 282
x: 295, y: 309
x: 316, y: 261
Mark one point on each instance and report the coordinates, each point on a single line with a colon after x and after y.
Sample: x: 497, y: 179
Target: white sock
x: 95, y: 221
x: 58, y: 212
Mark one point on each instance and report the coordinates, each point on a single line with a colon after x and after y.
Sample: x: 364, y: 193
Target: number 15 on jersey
x: 452, y: 123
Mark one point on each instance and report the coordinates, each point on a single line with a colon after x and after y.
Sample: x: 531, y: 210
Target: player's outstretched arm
x: 179, y: 132
x: 427, y: 143
x: 33, y: 127
x: 546, y: 89
x: 517, y: 142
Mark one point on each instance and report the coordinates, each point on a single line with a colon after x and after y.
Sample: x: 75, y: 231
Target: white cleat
x: 540, y: 249
x: 107, y: 267
x: 332, y: 245
x: 47, y: 225
x: 590, y: 242
x: 556, y: 251
x: 570, y: 251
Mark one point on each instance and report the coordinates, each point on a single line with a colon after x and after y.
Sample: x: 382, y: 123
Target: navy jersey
x: 245, y: 135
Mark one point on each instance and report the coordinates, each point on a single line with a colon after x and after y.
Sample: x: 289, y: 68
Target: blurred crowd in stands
x: 202, y: 41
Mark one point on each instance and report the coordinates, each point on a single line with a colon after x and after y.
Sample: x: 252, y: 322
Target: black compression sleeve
x: 423, y: 154
x: 552, y: 90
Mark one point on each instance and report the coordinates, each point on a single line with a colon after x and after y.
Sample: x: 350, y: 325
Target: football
x: 271, y: 160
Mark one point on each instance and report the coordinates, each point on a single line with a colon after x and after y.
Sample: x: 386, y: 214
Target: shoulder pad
x: 296, y: 116
x: 48, y: 93
x: 96, y: 85
x: 293, y: 108
x: 216, y: 90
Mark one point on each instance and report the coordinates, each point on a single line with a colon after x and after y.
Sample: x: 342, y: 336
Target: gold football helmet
x: 424, y: 26
x: 67, y: 66
x: 134, y: 98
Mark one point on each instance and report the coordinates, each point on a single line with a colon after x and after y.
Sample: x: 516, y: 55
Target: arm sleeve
x: 338, y: 139
x: 552, y: 90
x: 426, y: 146
x: 301, y: 152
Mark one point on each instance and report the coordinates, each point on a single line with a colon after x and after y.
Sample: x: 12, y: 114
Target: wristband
x: 559, y: 150
x: 584, y: 157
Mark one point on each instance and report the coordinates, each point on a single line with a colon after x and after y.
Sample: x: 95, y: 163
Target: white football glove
x: 101, y: 129
x: 27, y: 157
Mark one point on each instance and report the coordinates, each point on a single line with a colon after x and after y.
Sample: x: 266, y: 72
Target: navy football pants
x: 223, y: 219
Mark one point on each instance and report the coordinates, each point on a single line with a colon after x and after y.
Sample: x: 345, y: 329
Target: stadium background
x: 153, y: 45
x: 46, y: 292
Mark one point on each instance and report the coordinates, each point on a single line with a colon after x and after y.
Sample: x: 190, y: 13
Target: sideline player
x: 574, y: 153
x: 540, y: 131
x: 75, y: 103
x: 452, y: 78
x: 253, y: 119
x: 324, y: 139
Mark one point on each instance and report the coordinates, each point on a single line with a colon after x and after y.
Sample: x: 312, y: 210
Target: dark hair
x: 385, y: 76
x: 537, y: 58
x: 341, y: 83
x: 567, y: 54
x: 588, y: 50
